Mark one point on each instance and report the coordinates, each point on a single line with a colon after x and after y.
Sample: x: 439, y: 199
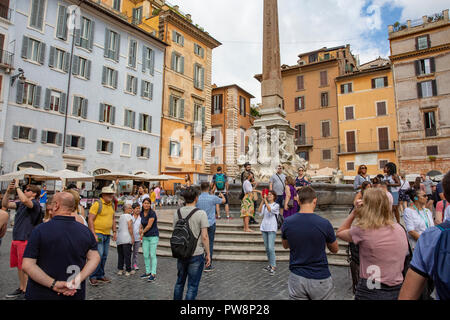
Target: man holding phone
x: 28, y: 212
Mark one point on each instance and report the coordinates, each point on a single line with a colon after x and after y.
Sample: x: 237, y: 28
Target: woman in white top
x: 269, y: 226
x: 393, y: 181
x: 247, y: 208
x: 125, y: 240
x: 403, y: 198
x: 417, y: 218
x: 141, y: 195
x: 137, y: 237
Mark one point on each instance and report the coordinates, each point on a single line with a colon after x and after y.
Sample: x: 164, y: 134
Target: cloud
x: 304, y: 26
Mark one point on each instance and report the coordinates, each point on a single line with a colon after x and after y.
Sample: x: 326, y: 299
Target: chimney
x: 176, y: 8
x: 189, y: 17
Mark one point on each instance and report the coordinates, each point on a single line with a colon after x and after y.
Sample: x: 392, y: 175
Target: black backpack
x: 183, y: 242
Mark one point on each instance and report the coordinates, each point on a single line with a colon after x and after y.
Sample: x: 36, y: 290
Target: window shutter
x: 182, y: 65
x: 181, y: 109
x: 99, y: 145
x: 202, y: 78
x: 117, y: 48
x: 104, y: 71
x: 171, y: 106
x: 174, y: 35
x: 128, y: 83
x: 152, y: 62
x: 350, y: 87
x: 34, y: 13
x: 61, y: 29
x: 82, y: 142
x: 135, y: 85
x: 115, y: 78
x: 33, y: 135
x: 203, y: 118
x: 386, y: 83
x: 59, y: 139
x: 144, y: 59
x: 133, y: 120
x: 19, y: 92
x: 173, y: 66
x: 25, y: 47
x: 110, y: 147
x: 42, y: 53
x: 107, y: 44
x: 373, y: 83
x: 66, y: 61
x: 170, y: 148
x: 37, y: 96
x: 434, y: 87
x: 113, y: 115
x: 417, y: 66
x: 147, y: 152
x: 91, y: 35
x: 419, y: 90
x: 297, y: 106
x: 63, y: 103
x: 126, y: 119
x: 77, y: 36
x: 68, y: 140
x: 432, y: 65
x: 75, y: 64
x: 84, y: 106
x: 76, y: 105
x: 51, y: 58
x: 428, y: 41
x: 417, y: 43
x: 15, y: 133
x: 47, y: 99
x: 151, y: 91
x: 149, y: 124
x: 138, y: 152
x: 202, y: 51
x: 342, y: 88
x: 182, y: 41
x: 101, y: 117
x: 140, y: 123
x: 221, y: 102
x: 43, y: 136
x: 196, y: 82
x: 88, y: 69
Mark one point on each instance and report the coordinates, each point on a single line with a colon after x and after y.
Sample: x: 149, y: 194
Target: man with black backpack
x: 190, y: 245
x: 431, y: 259
x: 28, y: 215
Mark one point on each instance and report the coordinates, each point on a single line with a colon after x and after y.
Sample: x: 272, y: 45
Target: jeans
x: 124, y: 256
x: 102, y: 247
x: 191, y: 269
x: 384, y: 292
x: 136, y: 246
x: 149, y: 245
x: 269, y: 243
x: 211, y: 235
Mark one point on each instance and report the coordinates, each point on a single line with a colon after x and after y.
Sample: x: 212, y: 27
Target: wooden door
x: 383, y: 138
x: 351, y: 141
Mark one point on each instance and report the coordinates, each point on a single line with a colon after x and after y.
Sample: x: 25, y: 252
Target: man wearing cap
x: 101, y: 221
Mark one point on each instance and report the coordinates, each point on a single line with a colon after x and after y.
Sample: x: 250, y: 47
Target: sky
x: 304, y: 25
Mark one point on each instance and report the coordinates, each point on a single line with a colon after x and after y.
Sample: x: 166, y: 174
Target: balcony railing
x: 304, y: 141
x: 430, y: 132
x: 5, y: 12
x: 6, y: 58
x: 382, y: 145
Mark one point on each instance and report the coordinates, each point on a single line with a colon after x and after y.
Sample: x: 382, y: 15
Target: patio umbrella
x: 117, y: 175
x: 148, y: 177
x: 71, y: 175
x: 165, y: 177
x: 30, y: 173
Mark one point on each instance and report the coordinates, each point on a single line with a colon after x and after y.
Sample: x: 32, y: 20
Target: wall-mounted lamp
x: 20, y: 75
x: 408, y: 124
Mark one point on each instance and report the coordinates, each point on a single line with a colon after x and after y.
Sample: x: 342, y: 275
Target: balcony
x: 6, y: 59
x: 380, y: 146
x: 423, y: 22
x: 5, y: 12
x: 304, y: 141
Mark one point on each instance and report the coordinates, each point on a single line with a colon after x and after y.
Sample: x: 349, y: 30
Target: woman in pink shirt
x: 383, y: 246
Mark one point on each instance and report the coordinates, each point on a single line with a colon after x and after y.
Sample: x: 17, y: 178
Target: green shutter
x: 37, y: 96
x: 61, y: 27
x: 25, y: 42
x: 91, y: 35
x: 19, y: 92
x: 171, y: 106
x: 47, y: 99
x: 181, y: 109
x: 51, y: 58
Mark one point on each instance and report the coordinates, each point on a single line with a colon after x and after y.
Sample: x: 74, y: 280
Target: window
x: 379, y: 82
x: 84, y: 36
x: 425, y: 66
x: 382, y: 164
x: 61, y: 24
x: 49, y: 137
x: 326, y: 128
x: 300, y: 134
x: 199, y: 119
x: 81, y: 67
x: 423, y: 42
x: 33, y: 50
x: 323, y: 78
x: 176, y: 107
x: 178, y: 38
x: 383, y: 138
x: 148, y: 60
x: 28, y: 94
x: 242, y: 141
x: 55, y: 100
x: 324, y: 99
x: 350, y: 166
x: 129, y: 119
x: 312, y: 57
x: 432, y: 150
x: 37, y: 14
x: 430, y: 124
x: 197, y: 152
x: 427, y: 89
x: 242, y: 106
x: 350, y: 137
x: 299, y: 103
x: 346, y: 88
x: 125, y: 149
x: 199, y: 76
x: 104, y: 146
x: 145, y: 122
x: 326, y: 56
x: 326, y: 154
x: 177, y: 62
x: 217, y: 103
x: 24, y: 133
x: 116, y: 5
x: 349, y: 113
x: 381, y: 108
x: 198, y: 50
x: 59, y: 59
x: 146, y: 89
x: 72, y: 167
x: 107, y: 113
x: 109, y: 77
x: 112, y: 45
x: 300, y: 83
x: 174, y: 149
x: 79, y: 108
x: 131, y: 84
x: 143, y: 152
x: 132, y: 53
x: 304, y: 155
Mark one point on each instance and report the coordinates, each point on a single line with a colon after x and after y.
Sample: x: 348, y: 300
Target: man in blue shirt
x: 306, y: 235
x: 43, y: 197
x: 60, y: 255
x: 207, y: 203
x: 422, y: 266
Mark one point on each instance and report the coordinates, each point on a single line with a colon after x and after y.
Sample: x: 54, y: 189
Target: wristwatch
x: 53, y: 284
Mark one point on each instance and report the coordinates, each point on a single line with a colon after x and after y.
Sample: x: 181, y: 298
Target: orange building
x: 231, y: 118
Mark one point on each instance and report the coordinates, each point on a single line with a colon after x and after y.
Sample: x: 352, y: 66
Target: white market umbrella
x: 70, y: 175
x: 165, y: 177
x: 148, y: 177
x: 411, y: 177
x: 117, y: 175
x: 30, y: 173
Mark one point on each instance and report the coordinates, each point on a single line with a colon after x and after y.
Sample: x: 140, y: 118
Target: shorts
x: 395, y: 198
x: 224, y: 194
x: 16, y: 255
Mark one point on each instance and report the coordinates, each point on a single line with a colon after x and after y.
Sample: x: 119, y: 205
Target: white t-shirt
x: 404, y: 185
x: 247, y: 186
x: 269, y: 222
x: 415, y: 221
x: 391, y: 180
x: 123, y: 235
x: 136, y: 228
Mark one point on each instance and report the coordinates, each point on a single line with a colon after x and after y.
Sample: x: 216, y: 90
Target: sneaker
x: 104, y: 280
x: 132, y: 271
x: 209, y: 269
x: 219, y: 217
x: 268, y: 268
x: 120, y: 273
x: 272, y: 271
x: 136, y: 267
x: 229, y: 218
x: 93, y: 282
x: 151, y: 278
x: 146, y: 275
x: 15, y: 294
x: 127, y: 274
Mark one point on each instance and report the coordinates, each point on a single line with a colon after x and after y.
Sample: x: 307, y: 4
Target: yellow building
x: 367, y: 118
x: 187, y: 92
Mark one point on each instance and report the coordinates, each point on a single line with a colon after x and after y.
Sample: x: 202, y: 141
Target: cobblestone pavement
x: 229, y: 281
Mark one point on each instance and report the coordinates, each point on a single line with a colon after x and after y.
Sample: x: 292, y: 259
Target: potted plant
x: 432, y: 158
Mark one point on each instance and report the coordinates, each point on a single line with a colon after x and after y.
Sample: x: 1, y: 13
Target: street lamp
x: 20, y: 75
x: 408, y: 123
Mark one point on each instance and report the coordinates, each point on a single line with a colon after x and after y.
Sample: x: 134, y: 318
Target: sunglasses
x: 363, y: 168
x: 26, y: 190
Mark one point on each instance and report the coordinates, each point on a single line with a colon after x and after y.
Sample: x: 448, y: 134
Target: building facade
x: 231, y: 118
x: 310, y: 102
x: 367, y: 118
x: 420, y: 54
x: 86, y: 103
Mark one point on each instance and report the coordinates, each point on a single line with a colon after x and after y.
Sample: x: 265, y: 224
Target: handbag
x: 280, y: 220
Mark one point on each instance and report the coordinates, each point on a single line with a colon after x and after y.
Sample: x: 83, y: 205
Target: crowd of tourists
x: 399, y: 236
